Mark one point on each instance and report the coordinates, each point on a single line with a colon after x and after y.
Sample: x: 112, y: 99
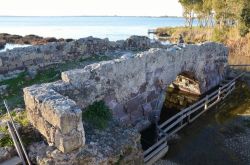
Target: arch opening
x: 181, y: 93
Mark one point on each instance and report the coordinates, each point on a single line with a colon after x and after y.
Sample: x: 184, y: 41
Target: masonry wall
x: 130, y: 87
x: 58, y: 52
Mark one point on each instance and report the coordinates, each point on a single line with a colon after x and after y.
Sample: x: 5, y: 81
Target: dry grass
x: 239, y: 47
x: 239, y: 50
x: 194, y: 35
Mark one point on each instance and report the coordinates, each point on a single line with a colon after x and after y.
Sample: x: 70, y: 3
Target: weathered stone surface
x: 40, y: 56
x: 56, y: 117
x: 129, y: 86
x: 113, y: 145
x: 6, y: 153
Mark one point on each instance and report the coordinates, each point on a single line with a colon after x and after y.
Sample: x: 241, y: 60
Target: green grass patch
x: 15, y: 86
x: 97, y: 115
x: 26, y: 130
x: 6, y: 141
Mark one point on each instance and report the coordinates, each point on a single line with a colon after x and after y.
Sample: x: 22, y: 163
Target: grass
x: 97, y: 115
x: 6, y: 141
x: 25, y: 130
x: 15, y: 86
x: 239, y: 47
x: 194, y: 35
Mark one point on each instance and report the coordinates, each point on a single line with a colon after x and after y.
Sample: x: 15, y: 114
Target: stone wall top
x: 57, y: 52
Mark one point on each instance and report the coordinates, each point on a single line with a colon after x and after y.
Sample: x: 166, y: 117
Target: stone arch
x: 183, y: 91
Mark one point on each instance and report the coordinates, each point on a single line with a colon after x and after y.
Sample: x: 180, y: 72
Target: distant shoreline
x: 97, y: 16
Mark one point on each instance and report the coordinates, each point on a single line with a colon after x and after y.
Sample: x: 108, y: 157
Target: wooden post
x: 219, y: 93
x: 206, y: 102
x: 189, y: 118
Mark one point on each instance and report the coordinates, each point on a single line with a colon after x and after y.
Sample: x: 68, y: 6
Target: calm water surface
x: 114, y: 28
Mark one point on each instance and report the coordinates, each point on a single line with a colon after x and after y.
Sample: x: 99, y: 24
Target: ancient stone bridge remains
x: 129, y: 86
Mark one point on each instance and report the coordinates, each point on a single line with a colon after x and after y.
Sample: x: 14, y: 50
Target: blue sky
x: 90, y: 7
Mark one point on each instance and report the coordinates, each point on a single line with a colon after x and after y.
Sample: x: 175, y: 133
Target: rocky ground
x: 112, y: 145
x: 28, y: 39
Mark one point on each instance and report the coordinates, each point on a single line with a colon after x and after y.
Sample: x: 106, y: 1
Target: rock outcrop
x: 114, y: 145
x: 29, y: 39
x: 129, y: 86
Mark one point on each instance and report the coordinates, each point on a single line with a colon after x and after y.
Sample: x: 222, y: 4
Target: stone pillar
x: 56, y: 117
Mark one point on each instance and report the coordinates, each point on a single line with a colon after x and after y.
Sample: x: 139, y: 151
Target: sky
x: 90, y: 7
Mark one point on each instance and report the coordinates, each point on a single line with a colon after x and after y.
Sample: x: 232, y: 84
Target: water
x: 12, y: 46
x: 175, y: 101
x: 114, y: 28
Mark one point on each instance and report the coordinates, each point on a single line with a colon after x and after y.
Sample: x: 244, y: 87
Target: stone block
x: 4, y: 69
x: 133, y: 104
x: 70, y: 142
x: 28, y: 63
x: 147, y: 108
x: 118, y: 111
x: 61, y: 113
x: 151, y: 95
x: 135, y: 116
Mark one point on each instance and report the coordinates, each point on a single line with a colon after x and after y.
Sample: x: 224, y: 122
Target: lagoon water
x: 114, y: 28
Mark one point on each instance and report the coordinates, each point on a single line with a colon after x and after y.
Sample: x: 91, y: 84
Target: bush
x: 6, y: 141
x: 219, y: 35
x: 97, y: 115
x: 243, y: 30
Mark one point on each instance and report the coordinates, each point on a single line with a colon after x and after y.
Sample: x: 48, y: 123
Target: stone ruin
x: 129, y: 86
x: 12, y: 62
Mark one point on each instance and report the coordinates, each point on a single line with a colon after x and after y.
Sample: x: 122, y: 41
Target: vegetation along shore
x: 227, y: 22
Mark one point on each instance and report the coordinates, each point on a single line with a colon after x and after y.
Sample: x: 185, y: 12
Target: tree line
x: 219, y: 13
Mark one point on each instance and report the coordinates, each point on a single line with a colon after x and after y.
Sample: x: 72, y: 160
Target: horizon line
x: 84, y: 16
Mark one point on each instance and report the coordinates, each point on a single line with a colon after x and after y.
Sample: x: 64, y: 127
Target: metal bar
x: 147, y: 158
x: 154, y: 146
x: 18, y: 136
x: 158, y: 147
x: 17, y: 146
x: 174, y: 123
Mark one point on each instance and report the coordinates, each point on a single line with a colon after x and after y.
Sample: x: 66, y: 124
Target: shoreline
x: 97, y: 16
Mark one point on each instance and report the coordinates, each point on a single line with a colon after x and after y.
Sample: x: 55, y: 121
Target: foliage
x: 15, y: 85
x: 219, y: 35
x: 194, y: 35
x: 243, y: 30
x: 6, y: 141
x: 25, y: 130
x: 245, y: 15
x: 227, y: 13
x: 98, y: 115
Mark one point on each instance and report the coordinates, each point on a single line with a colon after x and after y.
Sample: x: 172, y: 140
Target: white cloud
x: 90, y: 7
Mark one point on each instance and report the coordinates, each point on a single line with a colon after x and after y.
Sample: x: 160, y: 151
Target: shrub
x: 6, y: 141
x: 243, y: 30
x: 97, y: 115
x: 219, y: 35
